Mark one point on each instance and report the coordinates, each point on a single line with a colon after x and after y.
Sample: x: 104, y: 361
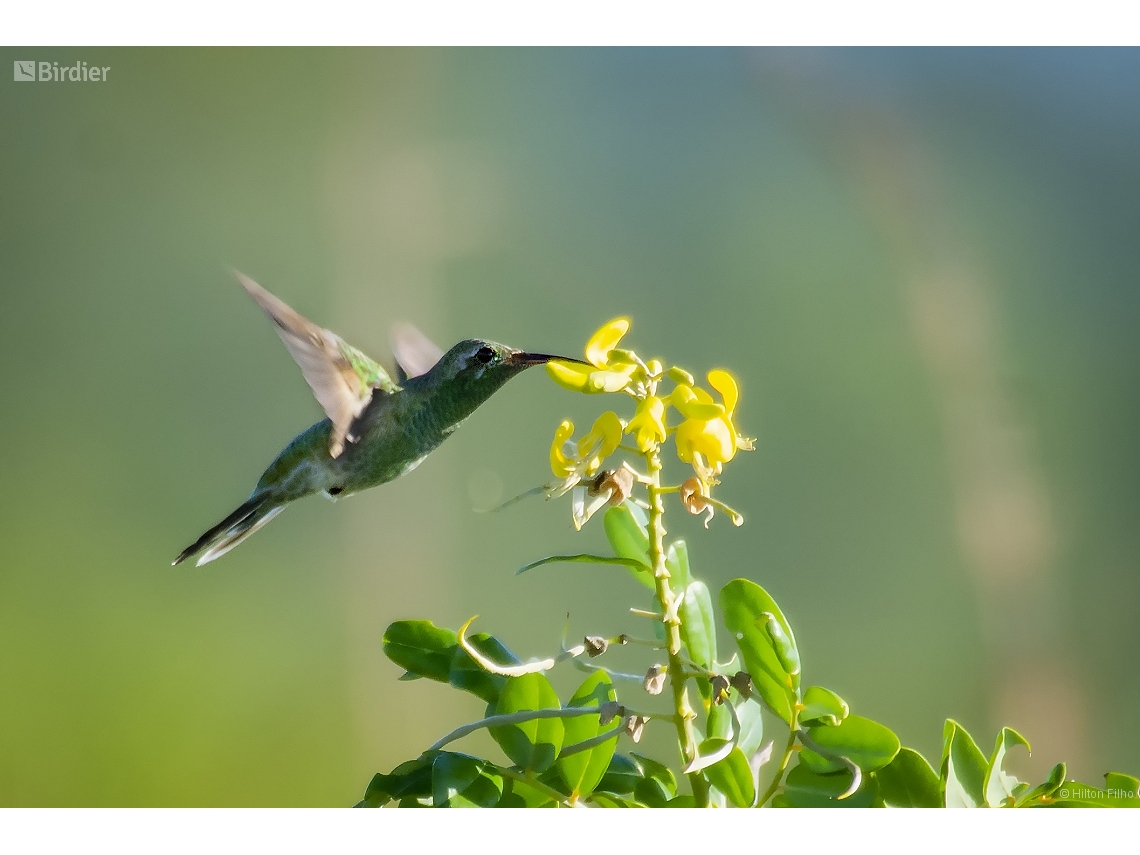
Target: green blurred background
x: 922, y: 265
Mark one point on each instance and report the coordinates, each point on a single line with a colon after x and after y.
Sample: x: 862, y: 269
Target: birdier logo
x: 81, y: 72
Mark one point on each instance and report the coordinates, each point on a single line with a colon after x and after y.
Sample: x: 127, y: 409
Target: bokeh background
x: 922, y: 264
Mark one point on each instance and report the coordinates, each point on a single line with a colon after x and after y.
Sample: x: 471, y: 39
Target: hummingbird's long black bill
x: 526, y: 359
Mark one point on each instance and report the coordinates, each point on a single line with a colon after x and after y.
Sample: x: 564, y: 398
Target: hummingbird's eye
x: 485, y: 355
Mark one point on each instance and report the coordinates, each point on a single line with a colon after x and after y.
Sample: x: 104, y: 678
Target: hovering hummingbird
x: 377, y: 428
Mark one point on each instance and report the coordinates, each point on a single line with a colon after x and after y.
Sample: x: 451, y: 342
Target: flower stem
x: 524, y: 716
x: 686, y: 734
x: 775, y: 785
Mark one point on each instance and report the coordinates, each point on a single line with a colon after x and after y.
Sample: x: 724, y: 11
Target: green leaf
x: 1119, y: 791
x: 584, y: 770
x: 698, y: 624
x: 532, y: 745
x: 426, y: 650
x: 823, y: 706
x: 632, y: 563
x: 963, y: 772
x: 718, y: 723
x: 751, y: 726
x: 746, y: 608
x: 998, y: 786
x: 657, y: 784
x: 865, y: 743
x: 710, y: 751
x: 819, y: 764
x: 785, y: 648
x: 1122, y: 782
x: 677, y: 563
x: 1030, y: 796
x: 421, y: 648
x: 519, y: 794
x: 805, y: 788
x: 625, y: 528
x: 458, y: 780
x: 609, y: 800
x: 733, y: 777
x: 909, y: 781
x: 409, y: 780
x: 621, y: 776
x: 511, y: 799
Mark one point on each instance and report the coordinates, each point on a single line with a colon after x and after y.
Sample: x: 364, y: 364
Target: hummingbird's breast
x: 396, y: 432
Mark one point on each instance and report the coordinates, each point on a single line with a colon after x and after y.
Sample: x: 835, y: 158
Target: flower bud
x: 720, y: 685
x: 742, y: 682
x: 680, y: 375
x: 596, y: 645
x: 618, y: 483
x: 655, y: 679
x: 635, y: 725
x: 608, y: 711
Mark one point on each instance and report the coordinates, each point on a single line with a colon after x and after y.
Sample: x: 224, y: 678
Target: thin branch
x: 585, y: 558
x: 601, y: 738
x: 533, y: 491
x: 775, y: 785
x: 648, y: 614
x: 616, y: 675
x: 524, y: 716
x: 733, y: 514
x: 512, y: 718
x: 704, y: 761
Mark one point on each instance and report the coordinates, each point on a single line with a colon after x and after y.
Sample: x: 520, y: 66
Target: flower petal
x: 725, y: 383
x: 608, y: 428
x: 560, y: 464
x: 713, y: 439
x: 607, y: 381
x: 604, y: 340
x: 648, y: 423
x: 571, y: 375
x: 688, y: 402
x: 584, y: 504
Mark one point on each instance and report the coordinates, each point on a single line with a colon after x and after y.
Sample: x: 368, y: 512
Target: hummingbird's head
x: 480, y: 367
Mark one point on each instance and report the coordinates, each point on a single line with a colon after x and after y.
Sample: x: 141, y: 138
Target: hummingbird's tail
x: 232, y: 530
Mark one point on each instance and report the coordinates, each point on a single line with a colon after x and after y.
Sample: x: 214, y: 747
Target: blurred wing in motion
x: 415, y: 353
x: 342, y: 378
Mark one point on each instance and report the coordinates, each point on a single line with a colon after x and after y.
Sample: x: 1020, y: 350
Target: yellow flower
x: 603, y: 374
x: 577, y: 464
x: 574, y: 461
x: 648, y: 423
x: 605, y: 340
x: 707, y: 438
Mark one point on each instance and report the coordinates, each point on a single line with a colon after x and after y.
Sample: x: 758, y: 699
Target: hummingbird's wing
x: 342, y: 378
x: 415, y: 353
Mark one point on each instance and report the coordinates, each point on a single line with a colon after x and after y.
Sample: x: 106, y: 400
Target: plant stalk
x: 686, y: 734
x: 775, y: 785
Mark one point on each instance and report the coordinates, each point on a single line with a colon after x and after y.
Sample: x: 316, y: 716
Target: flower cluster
x: 706, y: 438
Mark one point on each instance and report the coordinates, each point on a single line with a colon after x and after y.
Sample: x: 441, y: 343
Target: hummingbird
x: 377, y: 427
